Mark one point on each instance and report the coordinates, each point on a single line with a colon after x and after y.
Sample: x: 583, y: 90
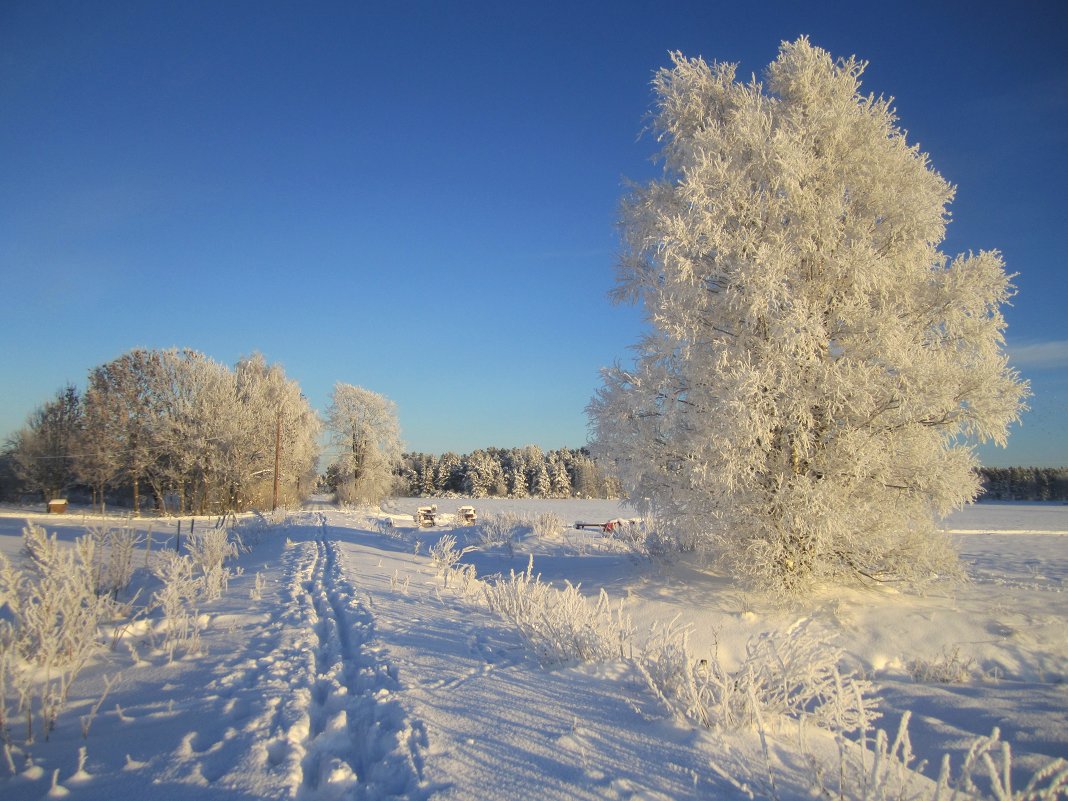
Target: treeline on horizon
x: 182, y: 433
x: 1024, y: 483
x: 526, y: 472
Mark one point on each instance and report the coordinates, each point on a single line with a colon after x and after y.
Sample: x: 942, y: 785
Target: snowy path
x: 350, y: 732
x: 314, y: 694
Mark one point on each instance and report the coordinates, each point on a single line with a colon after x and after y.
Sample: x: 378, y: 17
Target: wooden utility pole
x: 277, y: 459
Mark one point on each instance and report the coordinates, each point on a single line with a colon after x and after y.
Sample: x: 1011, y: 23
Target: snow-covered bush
x: 547, y: 524
x: 114, y: 549
x: 502, y: 527
x: 176, y: 598
x: 209, y: 551
x: 447, y: 557
x: 444, y: 552
x: 560, y: 625
x: 790, y: 674
x: 949, y: 668
x: 54, y: 616
x: 54, y: 603
x: 880, y: 769
x: 817, y: 371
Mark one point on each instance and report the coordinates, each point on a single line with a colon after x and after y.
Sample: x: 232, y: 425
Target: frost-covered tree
x: 448, y: 472
x: 364, y: 426
x: 479, y: 474
x: 273, y: 416
x: 516, y: 473
x: 44, y: 450
x: 817, y: 371
x: 128, y: 415
x: 559, y: 478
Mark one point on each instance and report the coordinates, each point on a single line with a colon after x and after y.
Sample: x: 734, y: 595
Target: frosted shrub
x: 9, y: 675
x: 114, y: 551
x: 547, y: 524
x: 789, y: 674
x: 880, y: 769
x: 181, y: 588
x: 54, y: 623
x: 990, y: 759
x: 209, y: 551
x: 507, y: 527
x: 54, y: 603
x: 501, y: 528
x: 258, y: 586
x: 947, y: 669
x: 447, y: 557
x: 445, y: 553
x: 560, y: 625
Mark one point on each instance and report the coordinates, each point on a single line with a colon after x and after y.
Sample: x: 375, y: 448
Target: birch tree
x: 275, y: 417
x: 817, y: 371
x: 364, y: 427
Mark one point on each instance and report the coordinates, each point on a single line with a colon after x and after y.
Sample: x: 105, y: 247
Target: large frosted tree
x: 816, y: 372
x: 364, y: 428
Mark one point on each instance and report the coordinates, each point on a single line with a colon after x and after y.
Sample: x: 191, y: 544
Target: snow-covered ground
x: 356, y: 673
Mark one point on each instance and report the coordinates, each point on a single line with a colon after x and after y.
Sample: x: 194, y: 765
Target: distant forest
x: 1024, y: 483
x: 531, y: 473
x: 526, y: 472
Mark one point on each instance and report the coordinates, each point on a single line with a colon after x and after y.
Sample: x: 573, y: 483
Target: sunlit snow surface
x: 358, y: 675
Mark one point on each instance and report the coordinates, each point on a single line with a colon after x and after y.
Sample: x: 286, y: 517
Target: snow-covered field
x: 354, y: 672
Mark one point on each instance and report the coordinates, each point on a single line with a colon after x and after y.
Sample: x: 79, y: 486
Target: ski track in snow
x: 313, y: 703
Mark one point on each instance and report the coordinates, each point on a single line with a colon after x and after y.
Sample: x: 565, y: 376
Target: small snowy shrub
x: 547, y: 524
x: 209, y: 550
x: 54, y: 618
x: 501, y: 528
x: 447, y: 557
x: 990, y: 760
x: 54, y: 602
x: 789, y: 674
x: 260, y: 583
x: 878, y: 769
x: 445, y: 553
x: 181, y: 587
x: 114, y: 549
x: 950, y: 668
x: 560, y: 625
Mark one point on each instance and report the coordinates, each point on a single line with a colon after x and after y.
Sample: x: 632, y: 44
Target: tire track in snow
x: 348, y: 735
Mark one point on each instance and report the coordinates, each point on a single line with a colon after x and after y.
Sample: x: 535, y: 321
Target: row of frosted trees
x: 515, y: 473
x: 176, y: 429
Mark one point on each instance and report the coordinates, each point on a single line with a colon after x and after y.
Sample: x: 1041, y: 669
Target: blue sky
x: 420, y: 197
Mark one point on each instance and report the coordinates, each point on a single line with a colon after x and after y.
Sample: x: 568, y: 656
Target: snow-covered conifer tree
x: 448, y: 471
x: 817, y: 371
x: 559, y: 478
x: 540, y: 484
x: 516, y: 470
x: 478, y: 473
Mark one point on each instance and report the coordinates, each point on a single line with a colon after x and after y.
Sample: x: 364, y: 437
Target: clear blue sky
x: 420, y: 198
